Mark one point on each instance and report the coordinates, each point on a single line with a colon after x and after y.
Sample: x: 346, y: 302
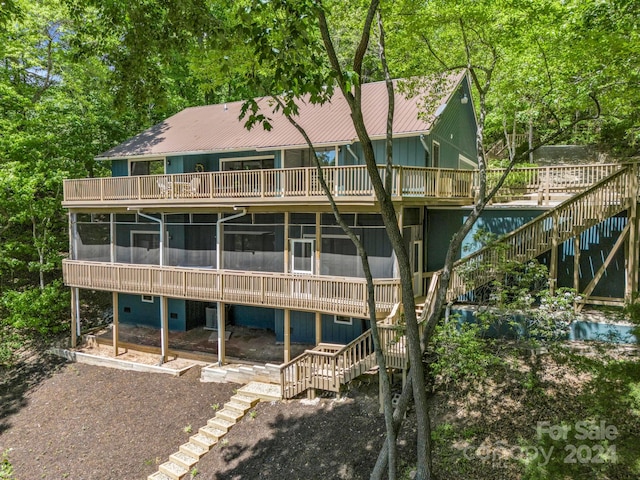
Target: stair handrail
x: 618, y: 197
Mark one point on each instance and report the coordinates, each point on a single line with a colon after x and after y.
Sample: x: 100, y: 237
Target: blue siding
x: 455, y: 130
x: 595, y: 245
x: 148, y: 314
x: 440, y: 225
x: 333, y: 332
x: 253, y: 317
x: 580, y: 330
x: 303, y: 327
x: 119, y: 168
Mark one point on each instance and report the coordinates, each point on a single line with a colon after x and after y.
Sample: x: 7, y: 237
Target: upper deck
x: 350, y: 185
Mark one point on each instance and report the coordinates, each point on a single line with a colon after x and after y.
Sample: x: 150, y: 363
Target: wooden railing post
x: 631, y: 284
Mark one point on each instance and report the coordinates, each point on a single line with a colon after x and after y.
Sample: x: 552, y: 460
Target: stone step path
x: 188, y: 455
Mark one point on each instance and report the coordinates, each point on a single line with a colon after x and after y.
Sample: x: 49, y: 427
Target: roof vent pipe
x: 424, y: 143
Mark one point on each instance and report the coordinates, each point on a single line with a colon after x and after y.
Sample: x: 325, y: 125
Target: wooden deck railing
x: 572, y: 217
x: 328, y: 366
x: 543, y: 181
x: 606, y: 198
x: 331, y: 295
x: 347, y: 182
x: 293, y: 183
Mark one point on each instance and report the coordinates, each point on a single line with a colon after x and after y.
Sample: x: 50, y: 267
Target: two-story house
x: 202, y: 214
x: 206, y: 223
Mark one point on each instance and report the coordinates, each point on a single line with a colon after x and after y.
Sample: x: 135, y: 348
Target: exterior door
x: 302, y: 256
x: 145, y: 248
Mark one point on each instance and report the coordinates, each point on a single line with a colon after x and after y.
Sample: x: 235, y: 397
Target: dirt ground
x: 78, y: 421
x: 73, y: 421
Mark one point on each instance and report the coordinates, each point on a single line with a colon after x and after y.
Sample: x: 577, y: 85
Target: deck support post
x: 164, y: 329
x: 74, y: 317
x: 222, y: 320
x: 318, y: 328
x: 286, y: 242
x: 115, y: 328
x: 553, y: 264
x: 287, y: 335
x: 576, y: 265
x: 631, y: 284
x: 318, y: 242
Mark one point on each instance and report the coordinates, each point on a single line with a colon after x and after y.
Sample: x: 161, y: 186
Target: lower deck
x: 243, y: 344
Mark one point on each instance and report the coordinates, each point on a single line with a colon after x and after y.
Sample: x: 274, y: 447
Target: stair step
x: 238, y: 407
x: 213, y: 432
x: 203, y: 440
x: 158, y: 476
x: 183, y: 459
x: 264, y: 391
x: 248, y: 400
x: 220, y: 423
x: 172, y: 470
x: 229, y: 414
x: 193, y: 449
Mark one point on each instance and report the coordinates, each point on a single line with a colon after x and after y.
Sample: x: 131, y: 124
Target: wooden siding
x: 332, y: 295
x: 455, y: 130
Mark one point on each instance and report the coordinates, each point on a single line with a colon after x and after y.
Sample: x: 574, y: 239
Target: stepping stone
x: 183, y: 459
x: 193, y: 449
x: 238, y: 407
x: 203, y: 440
x: 230, y: 415
x: 158, y: 476
x: 264, y: 391
x: 212, y: 432
x: 171, y: 470
x: 220, y: 423
x: 248, y: 400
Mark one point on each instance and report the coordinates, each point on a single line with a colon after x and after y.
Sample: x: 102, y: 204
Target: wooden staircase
x: 327, y: 366
x: 208, y: 436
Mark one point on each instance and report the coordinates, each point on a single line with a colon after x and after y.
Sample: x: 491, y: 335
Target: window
x: 146, y: 167
x: 147, y: 298
x: 302, y: 157
x: 342, y: 320
x: 435, y: 149
x: 302, y: 251
x: 247, y: 163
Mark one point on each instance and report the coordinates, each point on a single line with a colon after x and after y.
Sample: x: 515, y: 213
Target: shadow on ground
x: 32, y: 367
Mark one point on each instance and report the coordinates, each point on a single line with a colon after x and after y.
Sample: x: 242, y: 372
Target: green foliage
x: 633, y: 313
x: 37, y: 311
x: 520, y: 300
x: 6, y: 469
x: 462, y: 353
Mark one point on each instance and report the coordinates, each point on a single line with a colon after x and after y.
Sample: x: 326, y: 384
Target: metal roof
x: 218, y: 128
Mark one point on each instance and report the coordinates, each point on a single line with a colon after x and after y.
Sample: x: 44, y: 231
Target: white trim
x: 433, y: 157
x: 312, y: 258
x: 462, y: 159
x: 343, y: 322
x: 147, y: 298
